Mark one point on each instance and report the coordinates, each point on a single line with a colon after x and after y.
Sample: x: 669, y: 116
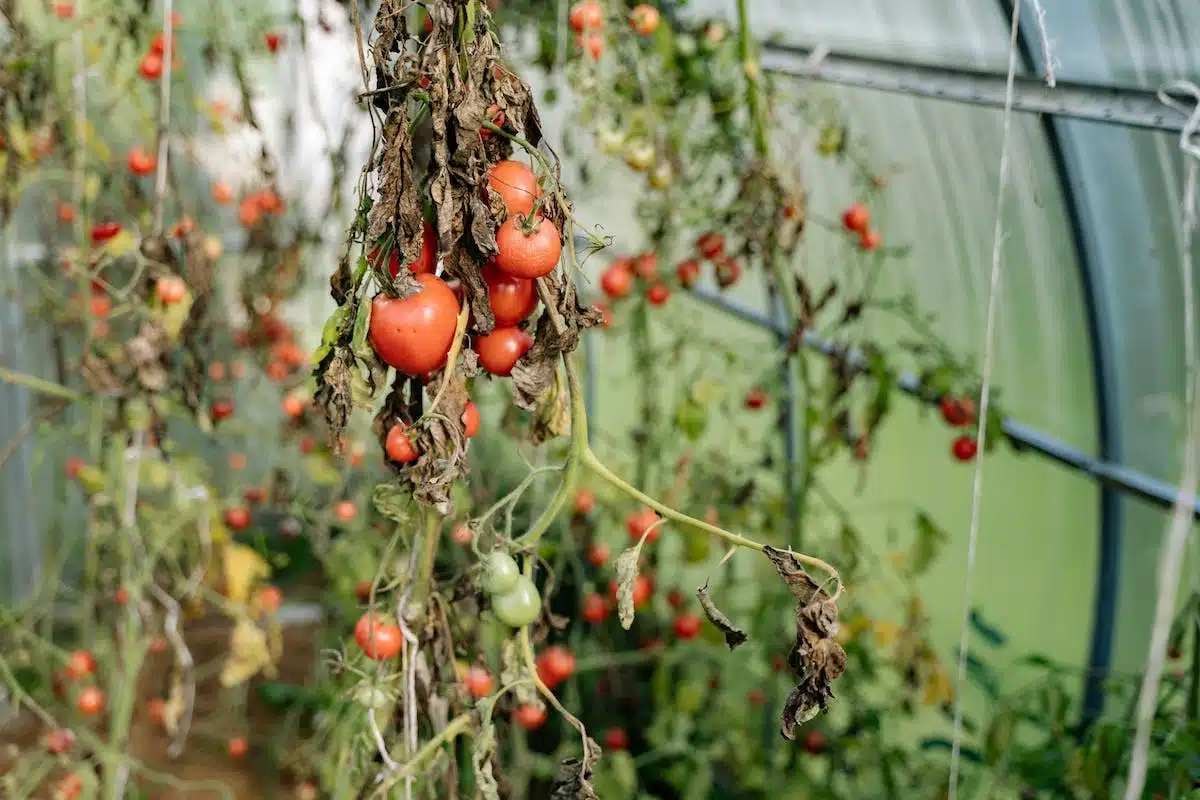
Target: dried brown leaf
x: 734, y: 636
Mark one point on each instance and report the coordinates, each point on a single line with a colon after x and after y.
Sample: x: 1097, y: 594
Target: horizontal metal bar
x: 1022, y: 436
x: 1136, y: 108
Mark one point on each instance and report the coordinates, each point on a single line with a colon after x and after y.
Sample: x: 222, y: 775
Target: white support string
x: 985, y: 394
x: 1047, y: 55
x: 1170, y: 562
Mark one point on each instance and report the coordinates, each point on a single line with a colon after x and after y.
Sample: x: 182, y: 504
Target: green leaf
x: 995, y: 428
x: 990, y: 633
x: 331, y: 333
x: 927, y: 545
x: 998, y: 740
x: 393, y: 502
x: 691, y: 418
x: 616, y: 776
x: 362, y: 326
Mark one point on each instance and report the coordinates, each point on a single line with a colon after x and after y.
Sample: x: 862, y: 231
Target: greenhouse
x: 599, y: 399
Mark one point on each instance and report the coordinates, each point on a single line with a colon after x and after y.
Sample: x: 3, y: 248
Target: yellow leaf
x: 216, y: 525
x: 243, y: 568
x: 91, y: 187
x: 248, y: 654
x: 175, y: 315
x: 120, y: 244
x: 937, y: 688
x: 175, y: 706
x: 20, y: 141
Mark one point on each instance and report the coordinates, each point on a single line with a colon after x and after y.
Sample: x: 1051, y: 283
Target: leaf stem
x: 456, y: 726
x: 38, y: 384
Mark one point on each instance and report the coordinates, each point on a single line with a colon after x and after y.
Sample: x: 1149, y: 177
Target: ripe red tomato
x: 345, y: 510
x: 814, y: 742
x: 170, y: 289
x: 272, y: 39
x: 237, y: 518
x: 638, y: 522
x: 586, y: 15
x: 616, y: 739
x: 307, y: 445
x: 461, y: 534
x: 80, y: 664
x: 595, y: 608
x: 687, y: 626
x: 478, y: 682
x: 646, y: 266
x: 398, y: 446
x: 592, y: 43
x: 957, y: 411
x: 657, y: 294
x: 517, y: 186
x: 964, y: 448
x: 530, y: 717
x: 159, y: 43
x: 598, y: 554
x: 140, y: 162
x: 294, y: 406
x: 675, y: 599
x: 585, y: 501
x: 64, y: 211
x: 59, y: 741
x: 69, y: 787
x: 512, y: 299
x: 151, y: 67
x: 426, y: 261
x: 221, y: 409
x: 121, y: 596
x: 270, y: 598
x: 711, y: 245
x: 470, y: 420
x: 644, y: 19
x: 728, y: 272
x: 555, y: 665
x: 643, y: 587
x: 158, y: 645
x: 857, y: 218
x: 756, y: 398
x: 238, y: 747
x: 222, y: 194
x: 103, y: 231
x: 529, y: 255
x: 617, y: 280
x: 73, y: 466
x: 688, y: 272
x: 90, y: 701
x: 157, y: 710
x: 62, y: 11
x: 870, y: 240
x: 380, y: 640
x: 495, y: 115
x: 414, y: 334
x: 501, y: 349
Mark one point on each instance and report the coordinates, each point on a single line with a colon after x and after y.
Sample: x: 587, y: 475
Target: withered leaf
x: 802, y: 586
x: 734, y: 636
x: 482, y: 751
x: 626, y: 567
x: 335, y: 395
x: 535, y: 371
x: 574, y: 780
x: 552, y: 415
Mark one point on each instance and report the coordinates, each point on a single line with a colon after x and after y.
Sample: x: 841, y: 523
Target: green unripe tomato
x: 519, y: 607
x: 500, y: 573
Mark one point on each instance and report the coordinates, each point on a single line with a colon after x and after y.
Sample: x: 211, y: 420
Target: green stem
x: 643, y: 364
x: 429, y: 548
x: 1194, y: 685
x: 752, y: 71
x: 38, y: 384
x: 456, y: 726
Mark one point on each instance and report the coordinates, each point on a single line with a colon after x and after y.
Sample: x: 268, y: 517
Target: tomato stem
x: 38, y: 384
x: 456, y: 726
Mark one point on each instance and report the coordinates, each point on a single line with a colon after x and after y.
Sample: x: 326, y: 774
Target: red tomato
x: 121, y: 596
x: 595, y: 608
x: 530, y: 717
x: 151, y: 67
x: 426, y: 261
x: 157, y: 710
x: 398, y: 446
x: 270, y: 598
x: 478, y: 682
x: 159, y: 43
x: 728, y: 272
x: 65, y: 212
x: 73, y: 466
x: 857, y: 218
x: 711, y: 245
x: 222, y: 194
x: 586, y: 15
x: 814, y: 742
x: 470, y: 420
x: 501, y: 349
x: 62, y: 11
x: 80, y: 664
x: 616, y: 739
x: 495, y: 116
x: 158, y: 645
x: 688, y: 272
x: 556, y: 664
x: 617, y: 280
x: 103, y: 231
x: 964, y: 448
x: 272, y: 39
x: 516, y: 184
x: 90, y: 701
x: 585, y: 501
x: 756, y: 398
x: 675, y: 599
x: 345, y: 510
x: 237, y: 518
x: 646, y: 266
x: 461, y: 534
x: 593, y: 43
x: 687, y: 626
x: 638, y: 522
x: 69, y: 787
x: 528, y: 255
x: 657, y: 294
x: 59, y: 741
x: 379, y: 639
x: 238, y: 747
x: 870, y: 240
x: 307, y: 445
x: 414, y: 334
x: 170, y: 289
x: 644, y: 19
x: 294, y: 406
x: 598, y: 554
x: 221, y: 409
x: 512, y: 299
x: 957, y: 411
x: 140, y: 162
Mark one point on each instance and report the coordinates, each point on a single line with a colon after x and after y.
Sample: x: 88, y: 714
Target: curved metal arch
x: 1108, y: 572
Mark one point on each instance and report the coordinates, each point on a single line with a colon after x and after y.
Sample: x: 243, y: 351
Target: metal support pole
x: 787, y: 419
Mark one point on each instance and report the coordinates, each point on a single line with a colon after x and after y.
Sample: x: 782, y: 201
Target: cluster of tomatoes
x: 587, y: 21
x: 857, y: 220
x: 151, y: 65
x: 959, y: 412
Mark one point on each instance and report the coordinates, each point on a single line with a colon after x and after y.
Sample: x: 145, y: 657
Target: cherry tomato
x: 461, y: 534
x: 687, y: 626
x: 157, y: 710
x: 617, y: 280
x: 270, y: 598
x: 512, y: 299
x: 69, y: 787
x: 501, y: 349
x: 426, y: 261
x: 728, y: 272
x: 616, y: 739
x: 688, y: 272
x: 294, y: 406
x: 711, y: 245
x: 555, y: 665
x: 345, y: 511
x: 530, y: 717
x: 307, y: 445
x: 221, y: 409
x: 398, y: 446
x: 238, y: 747
x: 59, y: 741
x: 159, y: 43
x: 414, y: 334
x: 237, y: 518
x: 73, y: 465
x: 158, y: 645
x: 517, y: 186
x: 121, y: 596
x: 140, y: 162
x: 638, y: 522
x: 756, y: 398
x: 64, y: 211
x: 151, y: 66
x: 586, y: 15
x: 646, y: 266
x: 272, y: 39
x: 478, y: 682
x: 870, y: 240
x: 657, y: 294
x: 595, y: 608
x: 644, y: 19
x: 814, y: 742
x: 470, y: 420
x: 103, y: 231
x: 80, y: 664
x: 598, y: 555
x: 528, y: 255
x: 170, y: 289
x: 585, y: 501
x: 222, y: 194
x: 519, y: 607
x: 380, y: 640
x: 964, y: 448
x: 856, y: 218
x: 957, y: 411
x: 593, y: 43
x: 675, y: 599
x: 90, y: 701
x: 500, y: 573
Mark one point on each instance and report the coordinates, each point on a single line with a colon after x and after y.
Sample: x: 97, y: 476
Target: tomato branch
x: 453, y: 729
